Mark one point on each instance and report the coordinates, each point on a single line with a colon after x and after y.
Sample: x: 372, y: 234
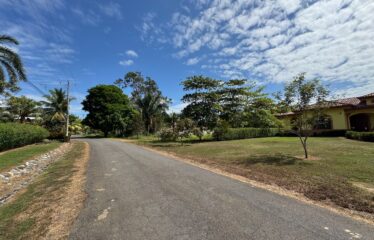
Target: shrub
x: 330, y: 133
x: 244, y: 133
x: 167, y: 135
x: 14, y: 135
x: 361, y: 136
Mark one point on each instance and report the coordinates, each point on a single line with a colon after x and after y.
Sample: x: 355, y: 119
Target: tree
x: 11, y: 65
x: 56, y: 104
x: 147, y: 97
x: 109, y: 109
x: 234, y: 96
x: 55, y: 111
x: 299, y: 96
x: 259, y: 113
x: 203, y: 101
x: 22, y: 107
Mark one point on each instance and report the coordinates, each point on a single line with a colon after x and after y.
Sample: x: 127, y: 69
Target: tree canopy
x: 109, y: 109
x: 11, y: 67
x: 147, y: 97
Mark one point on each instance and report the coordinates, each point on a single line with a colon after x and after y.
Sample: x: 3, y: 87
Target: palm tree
x: 22, y: 107
x: 151, y: 106
x: 56, y: 104
x: 10, y: 63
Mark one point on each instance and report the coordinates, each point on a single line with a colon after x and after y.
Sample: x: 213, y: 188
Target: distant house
x: 355, y: 113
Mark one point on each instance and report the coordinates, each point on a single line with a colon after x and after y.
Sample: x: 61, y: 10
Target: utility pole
x: 67, y: 113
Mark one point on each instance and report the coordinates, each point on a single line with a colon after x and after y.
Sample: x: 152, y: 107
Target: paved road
x: 137, y: 194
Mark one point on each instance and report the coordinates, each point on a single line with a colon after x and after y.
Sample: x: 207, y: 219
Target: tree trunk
x: 304, y: 143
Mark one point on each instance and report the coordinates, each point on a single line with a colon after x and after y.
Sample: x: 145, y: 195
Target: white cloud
x: 192, y: 61
x: 177, y: 108
x: 131, y: 53
x: 112, y: 9
x: 126, y: 62
x: 273, y: 41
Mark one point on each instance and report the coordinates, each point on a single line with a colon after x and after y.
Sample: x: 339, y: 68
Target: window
x: 323, y: 122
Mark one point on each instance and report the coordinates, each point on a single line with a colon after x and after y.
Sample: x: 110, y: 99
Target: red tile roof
x: 345, y: 102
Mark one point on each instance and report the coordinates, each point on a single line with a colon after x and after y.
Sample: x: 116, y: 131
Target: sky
x: 96, y: 42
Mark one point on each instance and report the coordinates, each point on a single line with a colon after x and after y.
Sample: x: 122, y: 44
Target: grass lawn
x: 339, y: 165
x: 28, y: 215
x: 14, y: 157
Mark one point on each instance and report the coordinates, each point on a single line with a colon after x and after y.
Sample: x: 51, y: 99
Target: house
x: 355, y: 113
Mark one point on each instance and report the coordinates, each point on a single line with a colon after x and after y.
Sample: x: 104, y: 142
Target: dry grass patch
x: 48, y: 206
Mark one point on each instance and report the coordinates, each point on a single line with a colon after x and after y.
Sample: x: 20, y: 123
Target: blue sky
x: 97, y: 42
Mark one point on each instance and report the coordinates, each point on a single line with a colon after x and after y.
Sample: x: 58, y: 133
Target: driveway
x: 134, y: 193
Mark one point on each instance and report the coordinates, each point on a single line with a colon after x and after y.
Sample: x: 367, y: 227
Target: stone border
x: 21, y: 176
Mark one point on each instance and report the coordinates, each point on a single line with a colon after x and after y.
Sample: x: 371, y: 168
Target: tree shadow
x: 277, y: 160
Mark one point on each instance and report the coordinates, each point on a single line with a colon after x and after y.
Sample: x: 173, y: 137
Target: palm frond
x: 8, y: 39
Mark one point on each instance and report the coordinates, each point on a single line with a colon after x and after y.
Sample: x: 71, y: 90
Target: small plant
x: 221, y: 130
x: 167, y: 135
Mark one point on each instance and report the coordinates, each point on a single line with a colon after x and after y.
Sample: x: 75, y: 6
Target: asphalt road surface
x: 134, y: 193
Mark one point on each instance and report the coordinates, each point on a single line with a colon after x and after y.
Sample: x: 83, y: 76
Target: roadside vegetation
x: 18, y: 156
x: 32, y: 214
x: 340, y: 171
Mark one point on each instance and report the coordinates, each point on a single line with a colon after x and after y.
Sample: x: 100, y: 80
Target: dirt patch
x: 310, y: 158
x: 70, y: 201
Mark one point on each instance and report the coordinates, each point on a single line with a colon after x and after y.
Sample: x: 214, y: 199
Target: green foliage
x: 203, y: 101
x: 362, y: 136
x: 299, y: 96
x: 147, y: 98
x: 109, y: 110
x: 245, y: 133
x: 14, y: 135
x: 167, y: 135
x: 22, y: 107
x: 221, y: 130
x: 11, y: 64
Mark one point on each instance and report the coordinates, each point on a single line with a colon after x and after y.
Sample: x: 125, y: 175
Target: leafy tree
x: 203, y: 100
x: 109, y: 109
x: 147, y: 97
x: 299, y: 95
x: 259, y: 113
x: 234, y: 96
x: 22, y: 107
x: 11, y: 65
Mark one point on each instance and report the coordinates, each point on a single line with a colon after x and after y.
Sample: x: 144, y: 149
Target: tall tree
x: 203, y: 100
x: 22, y: 107
x: 147, y: 98
x: 306, y: 98
x: 109, y: 109
x: 236, y: 96
x: 11, y: 65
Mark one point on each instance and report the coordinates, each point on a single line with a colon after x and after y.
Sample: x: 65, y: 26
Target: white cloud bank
x: 275, y: 40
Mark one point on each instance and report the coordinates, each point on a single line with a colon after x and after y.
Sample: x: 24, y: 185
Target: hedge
x: 14, y: 135
x: 244, y: 133
x: 362, y: 136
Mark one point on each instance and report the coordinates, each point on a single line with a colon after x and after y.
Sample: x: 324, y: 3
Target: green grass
x: 338, y: 162
x: 20, y: 219
x: 18, y: 156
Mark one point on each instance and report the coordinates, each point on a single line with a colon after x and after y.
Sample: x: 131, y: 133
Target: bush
x: 14, y: 135
x: 361, y: 136
x: 330, y: 133
x: 244, y: 133
x: 167, y: 135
